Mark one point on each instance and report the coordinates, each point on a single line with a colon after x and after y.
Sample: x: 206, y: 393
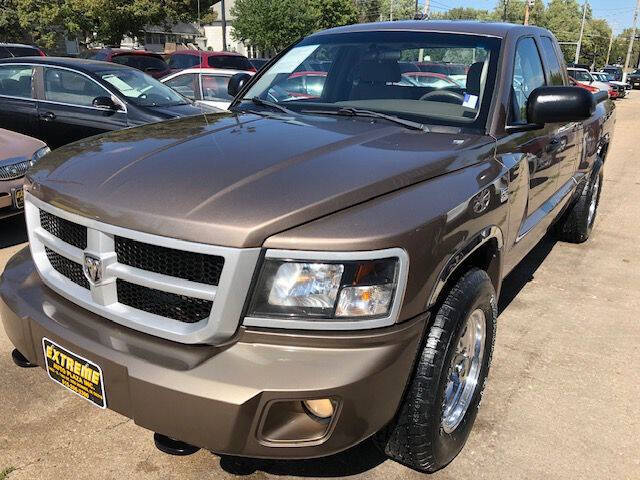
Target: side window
x: 553, y: 62
x: 183, y: 84
x: 15, y: 80
x: 64, y: 86
x: 214, y: 87
x: 528, y: 75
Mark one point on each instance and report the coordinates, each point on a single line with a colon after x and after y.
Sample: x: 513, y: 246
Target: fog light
x: 322, y: 408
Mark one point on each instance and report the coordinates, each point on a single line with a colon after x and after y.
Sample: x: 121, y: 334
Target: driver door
x: 65, y: 108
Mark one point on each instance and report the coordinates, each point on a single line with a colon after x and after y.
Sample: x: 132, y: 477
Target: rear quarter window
x: 23, y: 51
x: 141, y: 62
x: 230, y: 62
x: 553, y: 62
x: 180, y: 62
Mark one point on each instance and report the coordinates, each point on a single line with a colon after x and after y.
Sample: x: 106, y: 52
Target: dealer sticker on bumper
x: 82, y: 377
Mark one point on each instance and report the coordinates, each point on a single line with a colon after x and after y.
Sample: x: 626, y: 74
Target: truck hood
x: 234, y: 180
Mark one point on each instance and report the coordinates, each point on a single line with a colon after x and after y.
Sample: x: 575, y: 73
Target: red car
x: 184, y: 59
x: 149, y: 62
x: 613, y: 93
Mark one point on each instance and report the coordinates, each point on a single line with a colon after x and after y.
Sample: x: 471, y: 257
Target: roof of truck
x: 493, y: 29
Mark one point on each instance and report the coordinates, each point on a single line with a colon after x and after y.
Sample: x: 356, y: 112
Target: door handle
x: 48, y: 116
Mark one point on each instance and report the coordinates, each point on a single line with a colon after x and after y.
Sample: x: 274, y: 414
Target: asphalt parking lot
x: 562, y: 400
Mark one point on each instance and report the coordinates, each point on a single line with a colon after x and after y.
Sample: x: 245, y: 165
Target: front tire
x: 441, y: 403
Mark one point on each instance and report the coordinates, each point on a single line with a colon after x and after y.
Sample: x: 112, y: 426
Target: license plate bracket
x: 77, y: 374
x: 17, y: 194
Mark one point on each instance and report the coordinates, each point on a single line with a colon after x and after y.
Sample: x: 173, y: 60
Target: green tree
x: 462, y: 13
x: 619, y: 49
x: 595, y: 42
x: 109, y: 20
x: 10, y: 29
x: 397, y: 9
x: 368, y: 10
x: 333, y: 13
x: 274, y: 24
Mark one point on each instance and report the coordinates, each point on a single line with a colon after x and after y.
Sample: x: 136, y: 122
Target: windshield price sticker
x: 75, y: 373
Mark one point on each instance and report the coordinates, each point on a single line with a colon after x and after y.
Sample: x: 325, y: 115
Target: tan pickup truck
x: 322, y: 263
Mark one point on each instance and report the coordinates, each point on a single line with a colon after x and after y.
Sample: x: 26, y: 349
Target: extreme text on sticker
x: 75, y: 373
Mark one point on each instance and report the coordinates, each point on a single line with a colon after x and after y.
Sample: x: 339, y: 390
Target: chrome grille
x: 178, y: 307
x: 68, y: 268
x: 182, y: 291
x: 195, y: 267
x: 67, y: 231
x: 11, y: 172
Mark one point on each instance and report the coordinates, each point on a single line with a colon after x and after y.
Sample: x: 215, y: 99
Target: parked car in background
x: 17, y: 153
x: 303, y: 273
x: 619, y: 87
x: 203, y: 85
x: 13, y: 50
x: 614, y: 71
x: 148, y: 62
x: 183, y: 59
x: 634, y: 79
x: 589, y: 88
x: 60, y: 100
x: 258, y: 63
x: 582, y: 75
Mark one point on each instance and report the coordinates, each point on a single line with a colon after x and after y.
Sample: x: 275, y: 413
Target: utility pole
x: 224, y: 25
x: 633, y: 35
x: 584, y: 16
x: 527, y: 7
x: 199, y: 23
x: 391, y: 10
x: 426, y: 9
x: 606, y: 62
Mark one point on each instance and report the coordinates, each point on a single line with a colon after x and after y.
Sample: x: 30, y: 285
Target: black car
x: 613, y: 71
x: 13, y: 50
x: 633, y: 79
x: 60, y: 100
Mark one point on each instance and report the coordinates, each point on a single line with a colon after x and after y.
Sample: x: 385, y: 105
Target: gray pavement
x: 563, y: 398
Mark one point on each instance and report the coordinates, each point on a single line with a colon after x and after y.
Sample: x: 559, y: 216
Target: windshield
x: 443, y: 78
x: 141, y: 89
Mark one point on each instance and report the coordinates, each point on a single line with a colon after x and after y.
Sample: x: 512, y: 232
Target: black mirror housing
x: 236, y: 83
x: 559, y: 105
x: 104, y: 103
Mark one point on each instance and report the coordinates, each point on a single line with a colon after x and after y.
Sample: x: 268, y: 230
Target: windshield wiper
x: 356, y: 112
x: 267, y: 103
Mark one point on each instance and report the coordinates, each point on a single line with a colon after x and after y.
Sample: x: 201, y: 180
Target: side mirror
x: 236, y: 83
x: 105, y: 103
x: 559, y: 105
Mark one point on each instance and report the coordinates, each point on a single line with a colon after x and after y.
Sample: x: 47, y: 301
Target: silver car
x: 17, y: 153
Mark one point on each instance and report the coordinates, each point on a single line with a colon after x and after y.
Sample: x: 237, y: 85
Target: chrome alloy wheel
x: 464, y: 370
x: 594, y: 202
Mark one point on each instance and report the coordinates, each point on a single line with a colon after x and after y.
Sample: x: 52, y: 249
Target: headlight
x: 38, y: 155
x: 315, y: 290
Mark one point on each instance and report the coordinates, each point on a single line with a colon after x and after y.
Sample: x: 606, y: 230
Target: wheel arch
x: 484, y: 250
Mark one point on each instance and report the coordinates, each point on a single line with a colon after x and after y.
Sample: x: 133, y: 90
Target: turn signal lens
x: 365, y: 301
x: 322, y: 408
